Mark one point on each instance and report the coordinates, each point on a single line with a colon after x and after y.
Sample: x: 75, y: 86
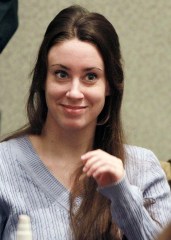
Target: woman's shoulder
x: 139, y: 153
x: 142, y: 166
x: 9, y: 148
x: 6, y: 144
x: 140, y: 157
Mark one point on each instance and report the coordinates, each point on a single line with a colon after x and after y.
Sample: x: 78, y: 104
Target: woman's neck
x: 61, y: 150
x: 63, y: 144
x: 75, y: 143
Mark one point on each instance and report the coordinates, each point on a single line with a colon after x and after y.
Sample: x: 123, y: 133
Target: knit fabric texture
x: 140, y: 202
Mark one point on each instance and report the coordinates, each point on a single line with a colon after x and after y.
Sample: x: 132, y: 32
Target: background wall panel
x: 144, y: 28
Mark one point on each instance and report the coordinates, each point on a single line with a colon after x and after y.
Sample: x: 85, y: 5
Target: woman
x: 69, y: 169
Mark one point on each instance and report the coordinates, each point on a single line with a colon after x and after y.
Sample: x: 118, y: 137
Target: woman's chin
x: 74, y: 127
x: 77, y: 126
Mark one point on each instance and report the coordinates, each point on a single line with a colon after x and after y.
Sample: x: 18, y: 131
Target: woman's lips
x: 73, y: 109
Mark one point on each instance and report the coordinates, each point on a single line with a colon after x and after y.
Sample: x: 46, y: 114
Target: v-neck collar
x: 40, y: 174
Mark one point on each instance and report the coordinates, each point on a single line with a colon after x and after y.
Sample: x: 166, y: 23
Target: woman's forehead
x: 74, y: 51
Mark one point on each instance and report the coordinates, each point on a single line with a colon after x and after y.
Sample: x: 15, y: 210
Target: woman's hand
x: 103, y: 167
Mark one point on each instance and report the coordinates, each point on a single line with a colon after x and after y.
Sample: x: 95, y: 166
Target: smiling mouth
x: 73, y: 107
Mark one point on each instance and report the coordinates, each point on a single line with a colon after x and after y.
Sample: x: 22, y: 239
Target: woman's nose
x: 74, y: 90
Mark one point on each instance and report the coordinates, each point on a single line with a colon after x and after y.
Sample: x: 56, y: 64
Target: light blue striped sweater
x: 27, y: 187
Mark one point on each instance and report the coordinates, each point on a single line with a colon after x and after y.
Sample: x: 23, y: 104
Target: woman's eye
x: 91, y: 76
x: 61, y: 74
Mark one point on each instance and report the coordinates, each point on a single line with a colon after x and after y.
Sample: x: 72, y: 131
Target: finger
x: 94, y: 167
x: 89, y: 154
x: 89, y: 163
x: 101, y: 170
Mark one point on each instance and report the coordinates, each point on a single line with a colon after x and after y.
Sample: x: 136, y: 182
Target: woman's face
x: 76, y: 86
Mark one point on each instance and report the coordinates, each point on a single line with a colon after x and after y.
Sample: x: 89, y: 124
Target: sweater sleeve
x: 141, y: 211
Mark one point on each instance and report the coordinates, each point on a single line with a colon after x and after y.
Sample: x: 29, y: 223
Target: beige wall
x: 144, y: 28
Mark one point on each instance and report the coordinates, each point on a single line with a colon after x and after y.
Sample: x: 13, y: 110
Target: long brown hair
x: 92, y: 219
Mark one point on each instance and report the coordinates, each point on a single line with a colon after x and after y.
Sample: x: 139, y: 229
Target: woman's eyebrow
x: 67, y: 68
x: 92, y: 68
x: 60, y: 65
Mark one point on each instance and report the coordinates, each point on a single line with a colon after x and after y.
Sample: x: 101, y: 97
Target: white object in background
x: 24, y: 228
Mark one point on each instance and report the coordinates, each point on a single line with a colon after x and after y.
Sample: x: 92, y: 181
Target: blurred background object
x: 8, y: 21
x: 166, y: 235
